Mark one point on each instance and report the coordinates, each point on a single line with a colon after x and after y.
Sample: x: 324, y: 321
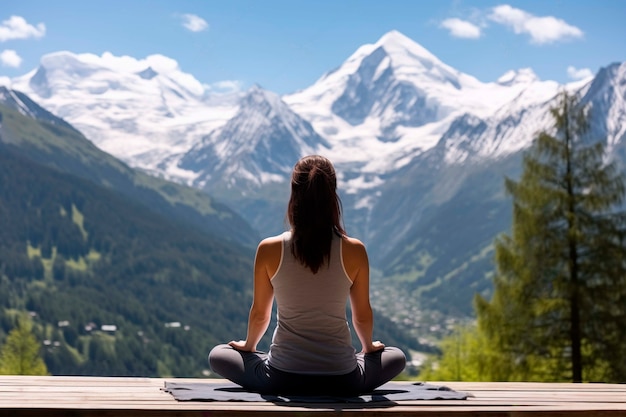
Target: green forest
x: 78, y: 257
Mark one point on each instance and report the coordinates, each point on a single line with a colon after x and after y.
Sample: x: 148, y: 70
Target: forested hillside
x: 79, y: 257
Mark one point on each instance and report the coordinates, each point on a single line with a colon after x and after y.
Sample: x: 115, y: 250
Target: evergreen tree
x: 558, y: 310
x: 20, y: 355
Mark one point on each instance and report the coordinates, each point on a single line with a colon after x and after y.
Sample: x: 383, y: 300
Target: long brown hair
x: 314, y: 210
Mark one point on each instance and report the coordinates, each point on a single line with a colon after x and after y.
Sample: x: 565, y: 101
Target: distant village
x: 106, y: 328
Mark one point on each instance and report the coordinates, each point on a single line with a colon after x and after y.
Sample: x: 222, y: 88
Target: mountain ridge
x: 57, y: 144
x: 408, y: 135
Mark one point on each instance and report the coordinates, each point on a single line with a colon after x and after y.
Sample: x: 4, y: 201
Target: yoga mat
x: 391, y: 391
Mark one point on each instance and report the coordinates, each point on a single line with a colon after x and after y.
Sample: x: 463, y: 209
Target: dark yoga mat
x: 391, y: 391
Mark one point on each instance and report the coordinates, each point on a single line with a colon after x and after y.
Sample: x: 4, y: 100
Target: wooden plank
x: 99, y: 396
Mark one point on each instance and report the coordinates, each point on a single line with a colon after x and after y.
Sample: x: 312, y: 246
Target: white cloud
x: 461, y: 28
x: 578, y: 73
x: 5, y: 81
x: 10, y: 58
x: 16, y: 27
x: 542, y: 29
x: 194, y: 23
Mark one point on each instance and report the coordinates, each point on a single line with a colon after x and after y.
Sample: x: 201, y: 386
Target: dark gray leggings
x: 251, y: 371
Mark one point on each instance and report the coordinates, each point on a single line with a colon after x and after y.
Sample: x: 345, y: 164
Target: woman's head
x: 314, y: 210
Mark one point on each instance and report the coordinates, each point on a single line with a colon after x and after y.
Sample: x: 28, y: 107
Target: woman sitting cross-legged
x: 311, y: 270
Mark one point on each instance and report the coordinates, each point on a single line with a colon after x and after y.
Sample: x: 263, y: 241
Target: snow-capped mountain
x: 141, y: 111
x: 606, y: 95
x: 387, y: 103
x: 420, y: 147
x: 257, y: 146
x: 393, y: 100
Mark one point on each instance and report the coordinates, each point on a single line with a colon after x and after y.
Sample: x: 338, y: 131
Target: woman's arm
x: 357, y: 267
x: 265, y: 265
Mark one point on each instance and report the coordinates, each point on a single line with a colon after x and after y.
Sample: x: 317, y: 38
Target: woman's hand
x: 242, y: 345
x: 373, y: 347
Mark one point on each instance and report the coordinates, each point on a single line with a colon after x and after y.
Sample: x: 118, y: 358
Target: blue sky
x: 286, y: 45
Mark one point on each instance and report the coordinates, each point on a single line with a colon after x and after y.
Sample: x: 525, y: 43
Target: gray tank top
x: 312, y: 334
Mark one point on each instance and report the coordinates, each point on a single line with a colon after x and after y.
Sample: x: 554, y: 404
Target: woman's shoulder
x: 272, y: 240
x: 354, y: 256
x: 272, y: 244
x: 353, y: 247
x: 352, y: 241
x: 269, y: 254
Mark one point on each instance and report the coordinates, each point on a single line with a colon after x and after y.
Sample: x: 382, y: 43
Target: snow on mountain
x: 23, y: 104
x: 10, y: 98
x: 512, y: 127
x: 141, y: 111
x: 258, y: 145
x: 378, y: 95
x: 521, y: 76
x: 606, y: 95
x: 393, y: 100
x: 507, y: 130
x: 387, y: 103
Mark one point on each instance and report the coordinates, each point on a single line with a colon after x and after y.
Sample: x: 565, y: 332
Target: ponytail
x: 314, y: 211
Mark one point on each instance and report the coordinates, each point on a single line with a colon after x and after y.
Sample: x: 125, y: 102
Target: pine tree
x: 20, y: 355
x: 558, y: 310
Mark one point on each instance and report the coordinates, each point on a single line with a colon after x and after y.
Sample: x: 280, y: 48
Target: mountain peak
x: 259, y: 96
x: 395, y: 42
x: 395, y: 36
x: 148, y: 73
x: 256, y: 89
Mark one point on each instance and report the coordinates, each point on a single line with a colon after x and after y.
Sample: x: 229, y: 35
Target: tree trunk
x: 577, y: 372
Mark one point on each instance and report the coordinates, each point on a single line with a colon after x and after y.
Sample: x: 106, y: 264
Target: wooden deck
x: 24, y: 396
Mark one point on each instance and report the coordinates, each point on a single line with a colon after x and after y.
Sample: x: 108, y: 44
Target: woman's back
x: 312, y: 335
x: 311, y: 272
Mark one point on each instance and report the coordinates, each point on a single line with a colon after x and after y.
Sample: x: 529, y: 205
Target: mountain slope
x: 23, y: 104
x: 57, y: 144
x: 445, y: 231
x: 258, y: 145
x: 606, y: 98
x: 247, y: 161
x: 80, y: 256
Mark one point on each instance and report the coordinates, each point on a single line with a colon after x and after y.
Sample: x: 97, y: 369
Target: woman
x: 311, y: 271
